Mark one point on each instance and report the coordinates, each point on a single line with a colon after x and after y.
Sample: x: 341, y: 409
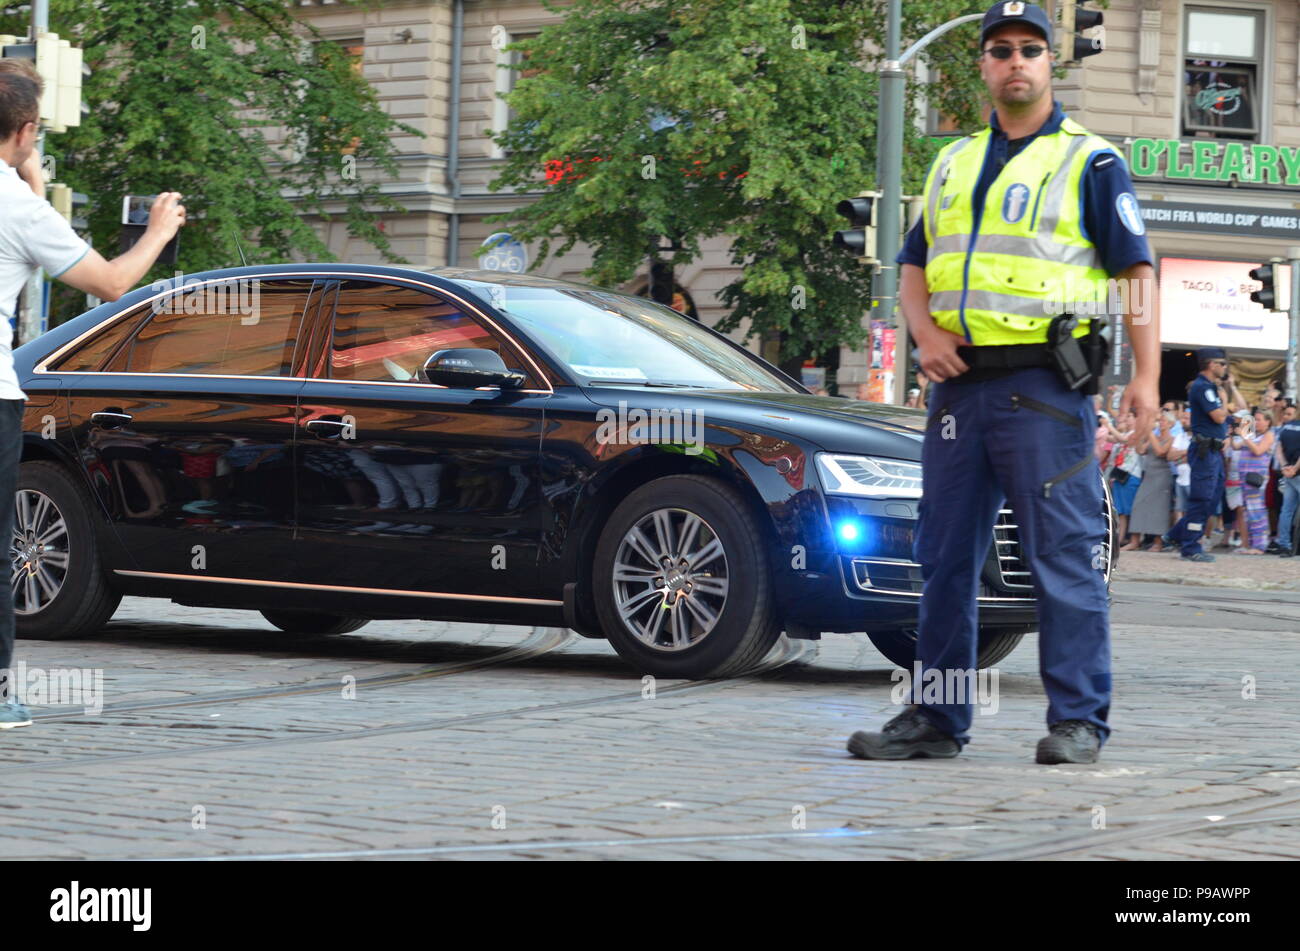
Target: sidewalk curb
x: 1246, y: 584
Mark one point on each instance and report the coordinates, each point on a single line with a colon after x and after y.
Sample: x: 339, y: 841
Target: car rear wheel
x: 314, y: 622
x: 682, y: 584
x: 995, y: 644
x: 59, y: 587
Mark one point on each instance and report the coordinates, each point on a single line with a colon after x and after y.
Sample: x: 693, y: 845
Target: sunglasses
x: 1029, y: 51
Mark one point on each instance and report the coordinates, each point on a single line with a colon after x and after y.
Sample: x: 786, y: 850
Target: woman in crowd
x: 1178, y: 460
x: 1151, y: 504
x: 1253, y: 445
x: 1125, y: 468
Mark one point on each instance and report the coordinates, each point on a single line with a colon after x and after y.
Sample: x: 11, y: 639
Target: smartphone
x: 135, y: 209
x: 135, y: 219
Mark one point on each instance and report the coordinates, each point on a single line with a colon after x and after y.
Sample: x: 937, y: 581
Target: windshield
x: 613, y: 338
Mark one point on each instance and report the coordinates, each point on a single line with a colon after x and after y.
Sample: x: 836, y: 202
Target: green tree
x: 183, y: 95
x: 689, y: 119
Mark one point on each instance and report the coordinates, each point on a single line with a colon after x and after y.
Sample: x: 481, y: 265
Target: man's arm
x: 938, y: 347
x: 109, y: 280
x: 1142, y: 393
x: 32, y: 173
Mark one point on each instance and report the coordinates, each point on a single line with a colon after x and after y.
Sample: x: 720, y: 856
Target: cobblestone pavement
x: 506, y: 742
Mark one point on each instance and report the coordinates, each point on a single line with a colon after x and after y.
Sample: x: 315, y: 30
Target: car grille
x: 1011, y: 563
x: 902, y: 576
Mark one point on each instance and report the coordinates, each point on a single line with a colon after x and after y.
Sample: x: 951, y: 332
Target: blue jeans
x: 11, y: 450
x: 1027, y: 439
x: 1290, y: 501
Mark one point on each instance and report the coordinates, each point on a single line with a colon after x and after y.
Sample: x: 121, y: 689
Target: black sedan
x: 328, y: 444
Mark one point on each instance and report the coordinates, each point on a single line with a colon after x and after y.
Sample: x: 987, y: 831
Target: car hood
x: 835, y: 425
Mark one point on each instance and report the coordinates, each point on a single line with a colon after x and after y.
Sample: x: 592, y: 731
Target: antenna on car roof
x: 243, y: 259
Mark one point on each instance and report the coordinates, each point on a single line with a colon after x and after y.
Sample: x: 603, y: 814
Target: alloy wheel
x: 670, y: 579
x: 39, y: 550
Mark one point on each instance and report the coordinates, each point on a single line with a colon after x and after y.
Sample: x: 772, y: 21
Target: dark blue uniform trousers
x: 1026, y: 438
x: 1204, y: 498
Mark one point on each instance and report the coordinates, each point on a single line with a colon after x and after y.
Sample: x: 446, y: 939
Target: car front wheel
x: 682, y: 584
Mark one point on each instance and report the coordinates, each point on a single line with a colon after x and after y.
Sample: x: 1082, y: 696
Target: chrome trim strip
x: 872, y: 589
x: 289, y: 380
x: 303, y: 586
x: 42, y: 367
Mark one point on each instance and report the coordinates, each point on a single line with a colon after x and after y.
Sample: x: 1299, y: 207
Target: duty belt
x: 1215, y: 445
x: 989, y: 363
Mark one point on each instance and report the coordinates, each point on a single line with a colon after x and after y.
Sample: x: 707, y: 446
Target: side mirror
x: 469, y: 368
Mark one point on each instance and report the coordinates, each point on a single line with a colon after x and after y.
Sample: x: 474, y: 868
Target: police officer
x: 1020, y: 219
x: 1205, y: 453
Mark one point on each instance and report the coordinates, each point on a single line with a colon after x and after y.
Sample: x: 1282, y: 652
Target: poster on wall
x: 1207, y: 304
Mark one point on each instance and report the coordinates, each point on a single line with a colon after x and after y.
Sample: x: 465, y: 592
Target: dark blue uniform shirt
x: 1288, y: 434
x: 1202, y: 398
x: 1104, y: 182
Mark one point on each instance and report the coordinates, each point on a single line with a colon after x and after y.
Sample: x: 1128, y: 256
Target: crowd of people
x: 1149, y: 473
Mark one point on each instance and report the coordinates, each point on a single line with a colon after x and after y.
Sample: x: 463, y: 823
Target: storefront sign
x: 1224, y: 217
x: 1209, y: 160
x: 1207, y: 304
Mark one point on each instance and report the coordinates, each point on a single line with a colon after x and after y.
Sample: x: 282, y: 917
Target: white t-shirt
x: 1183, y: 470
x: 32, y: 235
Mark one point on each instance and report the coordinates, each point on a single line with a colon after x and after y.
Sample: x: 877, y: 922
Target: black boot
x: 906, y: 736
x: 1070, y: 741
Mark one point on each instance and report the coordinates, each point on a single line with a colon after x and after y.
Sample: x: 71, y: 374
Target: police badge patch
x: 1013, y: 9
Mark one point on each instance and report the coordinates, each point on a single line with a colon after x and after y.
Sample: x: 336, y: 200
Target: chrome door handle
x: 322, y: 427
x: 110, y: 420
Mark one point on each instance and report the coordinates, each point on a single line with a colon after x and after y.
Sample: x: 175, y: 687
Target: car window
x: 242, y: 327
x: 384, y: 333
x: 90, y: 355
x: 601, y: 335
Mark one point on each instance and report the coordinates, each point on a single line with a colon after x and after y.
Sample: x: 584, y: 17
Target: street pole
x: 31, y: 319
x: 889, y: 170
x: 1293, y: 336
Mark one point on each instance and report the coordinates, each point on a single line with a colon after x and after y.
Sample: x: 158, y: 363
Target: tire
x: 683, y: 643
x: 900, y: 646
x: 50, y: 504
x: 314, y: 622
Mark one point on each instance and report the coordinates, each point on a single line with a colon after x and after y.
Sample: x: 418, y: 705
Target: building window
x: 1223, y: 67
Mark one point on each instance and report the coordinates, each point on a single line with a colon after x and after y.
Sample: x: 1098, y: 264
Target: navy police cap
x: 1014, y: 11
x: 1211, y: 353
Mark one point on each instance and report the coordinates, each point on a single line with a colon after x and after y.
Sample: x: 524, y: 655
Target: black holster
x: 1096, y: 350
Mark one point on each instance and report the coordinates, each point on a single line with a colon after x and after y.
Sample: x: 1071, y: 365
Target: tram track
x: 541, y: 641
x: 786, y: 652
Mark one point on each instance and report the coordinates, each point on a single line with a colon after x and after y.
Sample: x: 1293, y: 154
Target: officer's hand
x: 937, y: 352
x: 166, y: 215
x: 1142, y: 396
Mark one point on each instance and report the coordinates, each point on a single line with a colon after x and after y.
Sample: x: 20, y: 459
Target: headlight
x: 869, y: 477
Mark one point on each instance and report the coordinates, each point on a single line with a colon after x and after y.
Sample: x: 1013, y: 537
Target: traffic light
x: 61, y: 67
x: 860, y: 240
x: 68, y: 203
x: 1266, y: 274
x: 1071, y: 47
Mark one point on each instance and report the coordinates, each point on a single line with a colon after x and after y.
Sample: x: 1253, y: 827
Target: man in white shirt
x: 32, y: 235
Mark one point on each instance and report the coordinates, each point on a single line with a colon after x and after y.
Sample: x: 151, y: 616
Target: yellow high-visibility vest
x: 1002, y: 279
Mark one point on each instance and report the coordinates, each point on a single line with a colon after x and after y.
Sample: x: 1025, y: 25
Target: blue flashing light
x: 849, y: 531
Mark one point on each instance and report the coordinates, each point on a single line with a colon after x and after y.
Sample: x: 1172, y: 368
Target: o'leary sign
x: 1208, y: 160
